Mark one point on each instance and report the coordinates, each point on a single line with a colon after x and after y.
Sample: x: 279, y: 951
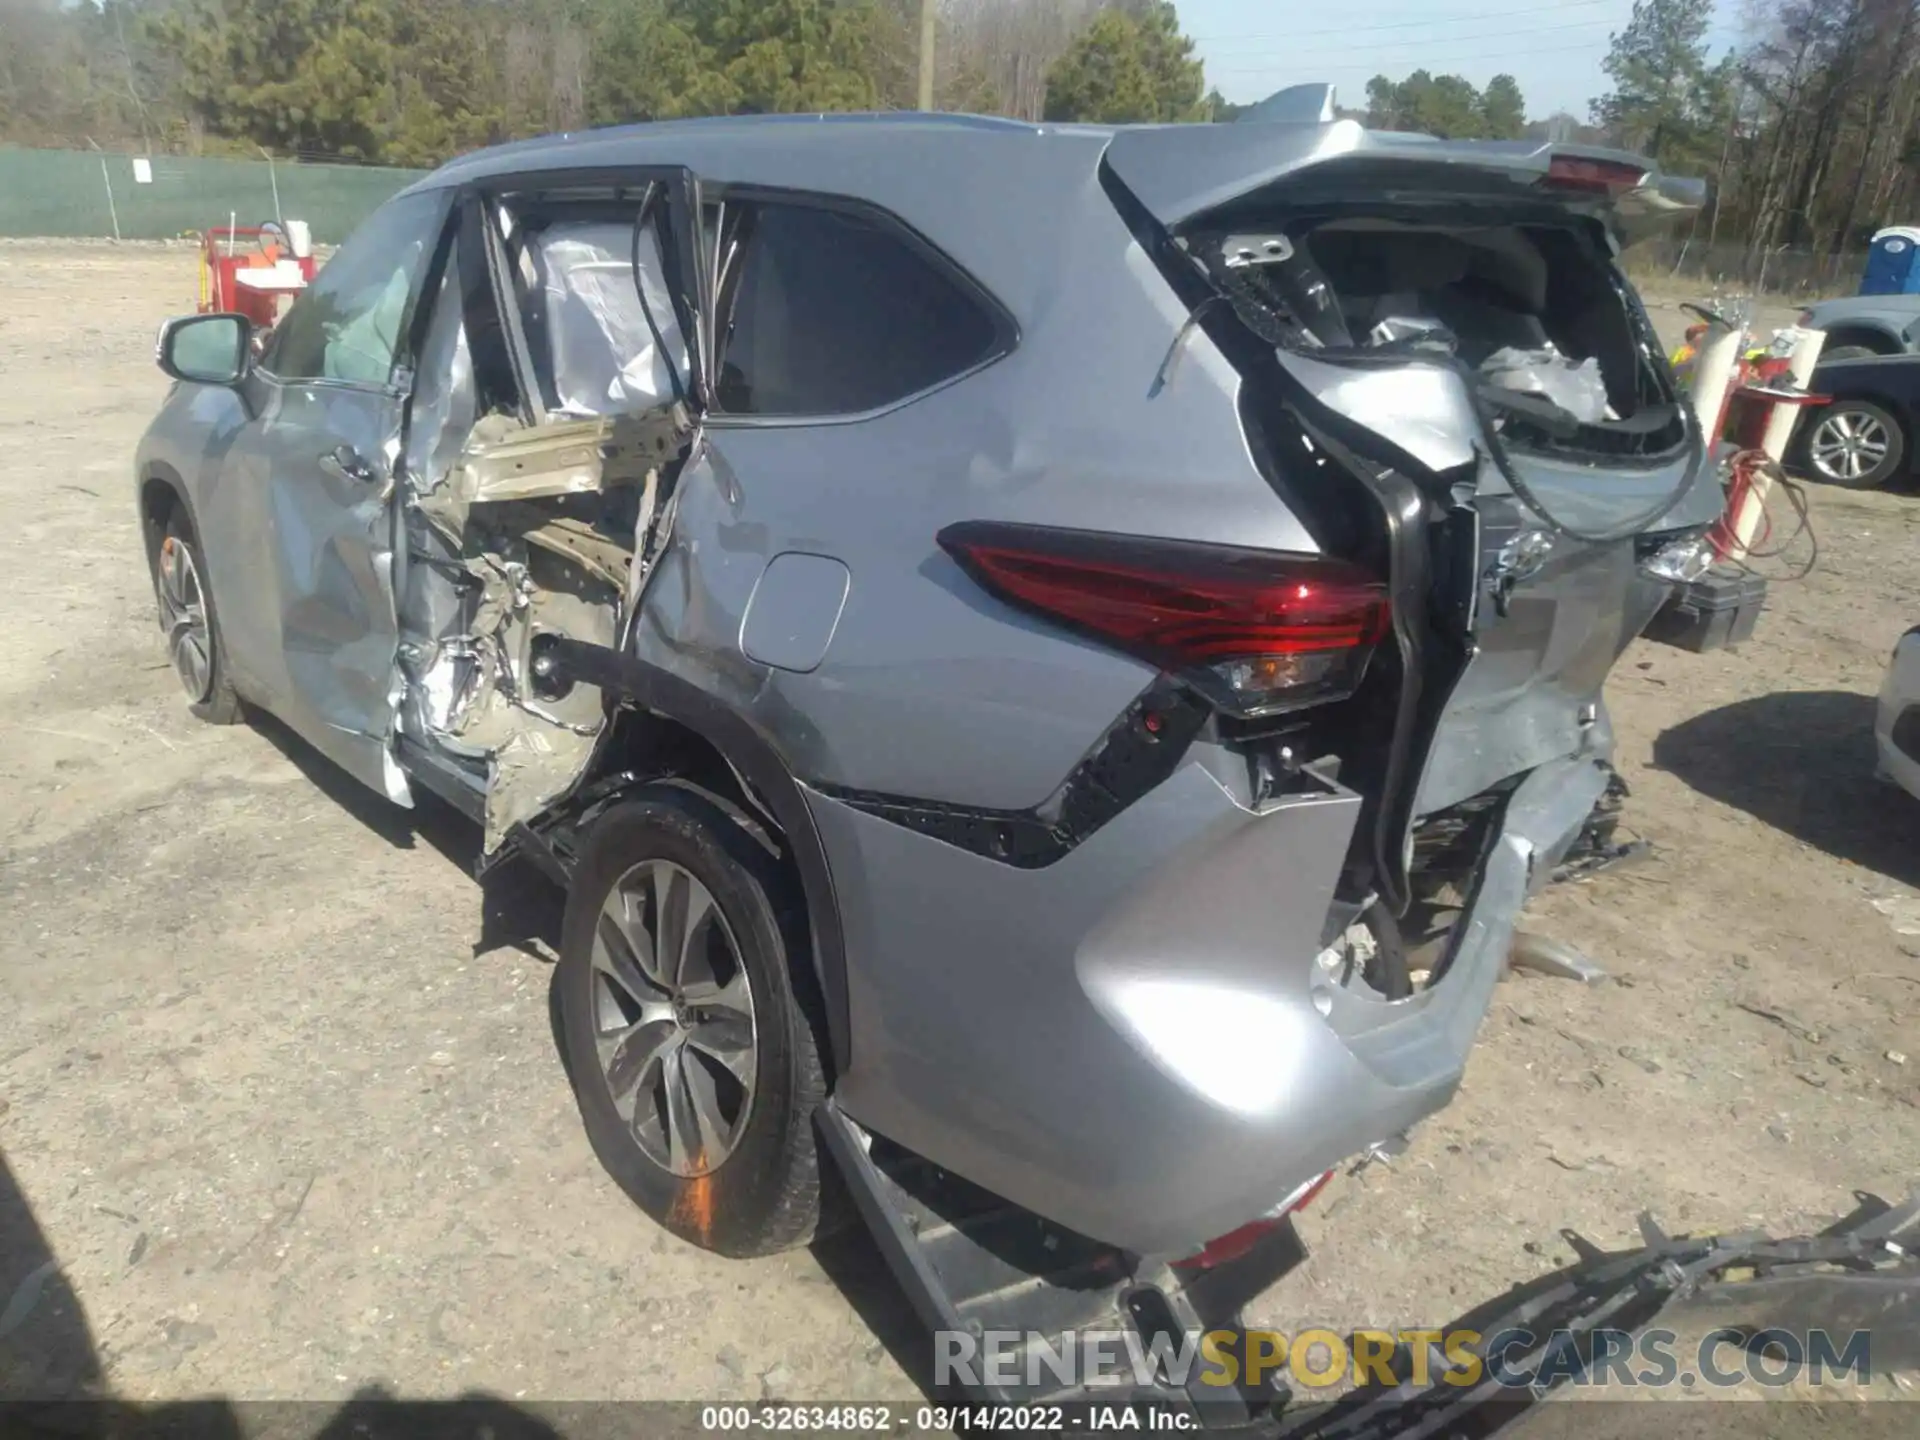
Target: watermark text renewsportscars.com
x: 1321, y: 1359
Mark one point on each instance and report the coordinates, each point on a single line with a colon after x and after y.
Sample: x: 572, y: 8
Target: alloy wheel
x: 673, y: 1018
x: 183, y: 615
x: 1848, y: 445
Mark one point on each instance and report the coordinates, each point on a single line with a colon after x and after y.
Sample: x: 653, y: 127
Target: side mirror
x: 206, y: 349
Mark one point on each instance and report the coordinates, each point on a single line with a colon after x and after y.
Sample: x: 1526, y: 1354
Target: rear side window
x: 832, y: 312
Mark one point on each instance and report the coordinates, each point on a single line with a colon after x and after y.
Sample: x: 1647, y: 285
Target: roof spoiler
x: 1182, y: 172
x: 1295, y: 105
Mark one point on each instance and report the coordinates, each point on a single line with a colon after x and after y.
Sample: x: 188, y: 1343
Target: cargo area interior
x: 1533, y: 308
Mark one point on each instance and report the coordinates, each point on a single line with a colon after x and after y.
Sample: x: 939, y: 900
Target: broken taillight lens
x: 1604, y: 177
x: 1236, y: 1243
x: 1259, y: 631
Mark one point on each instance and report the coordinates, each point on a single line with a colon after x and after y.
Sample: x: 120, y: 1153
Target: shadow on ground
x: 522, y: 908
x: 52, y: 1383
x: 519, y: 907
x: 46, y: 1345
x: 853, y: 1262
x: 1802, y: 762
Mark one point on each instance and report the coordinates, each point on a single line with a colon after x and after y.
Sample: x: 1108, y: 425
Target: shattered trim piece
x: 1861, y: 1273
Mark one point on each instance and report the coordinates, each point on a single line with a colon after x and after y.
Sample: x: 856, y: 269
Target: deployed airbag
x: 600, y: 349
x: 1575, y: 386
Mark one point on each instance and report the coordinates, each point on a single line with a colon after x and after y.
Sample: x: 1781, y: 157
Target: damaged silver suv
x: 1047, y: 657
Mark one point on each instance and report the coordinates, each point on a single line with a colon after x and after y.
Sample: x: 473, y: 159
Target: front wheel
x: 1856, y: 444
x: 692, y: 1058
x: 192, y: 629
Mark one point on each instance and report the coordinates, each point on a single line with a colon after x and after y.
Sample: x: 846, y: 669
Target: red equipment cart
x: 253, y: 270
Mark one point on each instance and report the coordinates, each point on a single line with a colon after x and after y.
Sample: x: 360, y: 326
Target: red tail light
x: 1236, y: 1243
x: 1604, y: 177
x: 1260, y: 630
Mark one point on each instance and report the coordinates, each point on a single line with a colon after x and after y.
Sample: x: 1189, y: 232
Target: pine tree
x: 312, y: 76
x: 1447, y: 106
x: 1503, y: 109
x: 1660, y: 102
x: 1129, y: 67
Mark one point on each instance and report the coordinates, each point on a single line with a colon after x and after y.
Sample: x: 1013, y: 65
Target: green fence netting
x: 84, y: 193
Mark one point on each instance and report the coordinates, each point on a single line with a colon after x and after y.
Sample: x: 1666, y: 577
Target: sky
x: 1552, y: 47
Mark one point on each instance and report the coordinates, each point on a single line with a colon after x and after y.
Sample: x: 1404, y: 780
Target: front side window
x: 832, y: 312
x: 347, y: 325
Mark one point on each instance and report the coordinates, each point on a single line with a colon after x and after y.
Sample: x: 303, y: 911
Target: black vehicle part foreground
x: 973, y: 1264
x: 1861, y: 1273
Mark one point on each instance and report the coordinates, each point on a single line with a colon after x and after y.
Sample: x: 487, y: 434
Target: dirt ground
x: 278, y: 1089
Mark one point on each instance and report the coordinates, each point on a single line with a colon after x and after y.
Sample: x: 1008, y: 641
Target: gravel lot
x: 278, y: 1090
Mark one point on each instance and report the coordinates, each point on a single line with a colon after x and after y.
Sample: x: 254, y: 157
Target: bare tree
x: 1006, y: 47
x: 567, y: 93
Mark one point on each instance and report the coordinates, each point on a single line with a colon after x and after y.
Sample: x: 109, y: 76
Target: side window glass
x: 462, y: 371
x: 834, y: 313
x: 445, y: 399
x: 347, y: 325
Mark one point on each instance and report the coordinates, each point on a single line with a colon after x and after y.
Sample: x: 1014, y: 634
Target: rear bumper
x: 1135, y: 1041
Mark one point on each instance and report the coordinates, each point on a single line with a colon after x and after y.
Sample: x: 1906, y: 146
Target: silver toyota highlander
x: 1047, y: 659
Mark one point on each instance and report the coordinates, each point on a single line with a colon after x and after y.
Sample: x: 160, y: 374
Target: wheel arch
x: 162, y: 495
x: 162, y: 492
x: 1881, y: 339
x: 674, y: 733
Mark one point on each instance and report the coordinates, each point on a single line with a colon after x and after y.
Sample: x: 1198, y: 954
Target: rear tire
x: 693, y: 1060
x: 192, y: 628
x: 1855, y: 444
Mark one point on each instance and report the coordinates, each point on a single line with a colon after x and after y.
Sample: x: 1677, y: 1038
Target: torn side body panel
x: 539, y: 528
x: 540, y: 448
x: 506, y: 461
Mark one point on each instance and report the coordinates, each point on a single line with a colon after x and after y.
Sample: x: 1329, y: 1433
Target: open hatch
x: 1446, y: 369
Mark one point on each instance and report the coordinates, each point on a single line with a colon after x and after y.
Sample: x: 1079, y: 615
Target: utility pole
x: 927, y: 16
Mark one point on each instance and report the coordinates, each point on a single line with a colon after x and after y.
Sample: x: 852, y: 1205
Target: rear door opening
x: 555, y: 409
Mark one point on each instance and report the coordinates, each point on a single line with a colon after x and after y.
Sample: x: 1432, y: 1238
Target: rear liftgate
x: 1447, y: 325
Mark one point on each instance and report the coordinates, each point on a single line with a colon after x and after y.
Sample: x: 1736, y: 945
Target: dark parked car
x: 1859, y: 325
x: 1010, y: 635
x: 1865, y: 438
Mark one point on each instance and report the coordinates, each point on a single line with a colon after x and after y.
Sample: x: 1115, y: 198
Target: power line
x: 1423, y: 47
x: 1375, y: 65
x: 1291, y: 35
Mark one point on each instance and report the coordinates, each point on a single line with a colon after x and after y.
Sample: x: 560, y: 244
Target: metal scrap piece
x: 1552, y: 957
x: 571, y: 457
x: 579, y: 542
x: 1861, y: 1273
x: 505, y: 461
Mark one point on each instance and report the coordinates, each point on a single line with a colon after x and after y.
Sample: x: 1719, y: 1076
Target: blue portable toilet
x: 1890, y: 267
